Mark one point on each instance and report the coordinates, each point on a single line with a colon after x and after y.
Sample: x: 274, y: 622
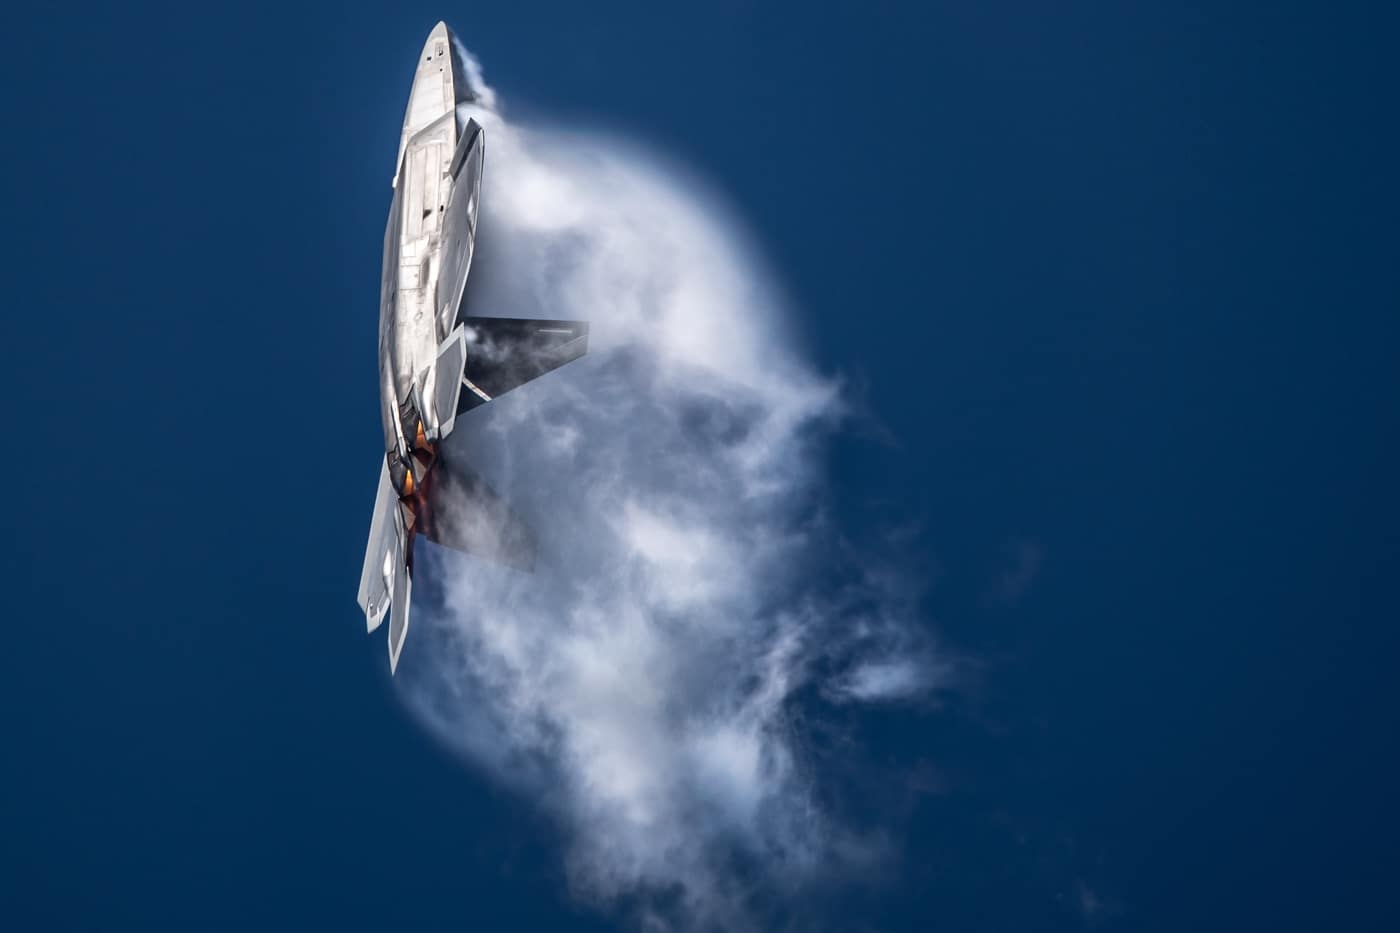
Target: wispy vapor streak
x: 640, y: 683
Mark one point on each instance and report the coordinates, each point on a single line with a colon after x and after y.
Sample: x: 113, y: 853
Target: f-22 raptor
x: 437, y: 360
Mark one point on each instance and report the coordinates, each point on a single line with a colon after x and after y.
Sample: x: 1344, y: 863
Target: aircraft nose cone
x: 439, y: 40
x: 441, y: 81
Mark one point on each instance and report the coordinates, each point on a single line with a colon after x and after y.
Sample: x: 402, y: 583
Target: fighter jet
x: 437, y: 360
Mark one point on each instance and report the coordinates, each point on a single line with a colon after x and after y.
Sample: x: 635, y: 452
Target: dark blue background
x: 1118, y: 282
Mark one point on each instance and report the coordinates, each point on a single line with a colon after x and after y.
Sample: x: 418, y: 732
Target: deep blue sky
x: 1117, y: 281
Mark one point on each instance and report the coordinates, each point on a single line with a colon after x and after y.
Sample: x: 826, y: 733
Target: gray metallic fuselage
x: 434, y: 362
x: 427, y: 253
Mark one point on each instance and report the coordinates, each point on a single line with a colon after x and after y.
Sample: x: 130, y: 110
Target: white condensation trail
x: 639, y: 685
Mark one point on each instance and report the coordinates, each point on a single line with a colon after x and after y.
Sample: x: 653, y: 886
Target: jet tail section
x: 386, y: 584
x: 458, y: 510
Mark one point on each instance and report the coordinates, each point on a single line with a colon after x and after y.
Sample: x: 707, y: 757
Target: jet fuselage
x: 418, y: 307
x: 435, y: 361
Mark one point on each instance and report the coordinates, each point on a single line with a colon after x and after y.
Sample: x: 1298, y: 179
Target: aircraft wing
x: 503, y: 353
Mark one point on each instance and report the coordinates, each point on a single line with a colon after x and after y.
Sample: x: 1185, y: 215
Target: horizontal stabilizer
x: 503, y: 353
x: 464, y: 513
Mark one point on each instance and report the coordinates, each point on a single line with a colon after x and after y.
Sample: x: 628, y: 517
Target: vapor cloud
x: 645, y: 685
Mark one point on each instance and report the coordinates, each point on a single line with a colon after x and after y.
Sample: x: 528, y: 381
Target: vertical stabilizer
x: 386, y: 584
x: 376, y: 577
x: 398, y: 616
